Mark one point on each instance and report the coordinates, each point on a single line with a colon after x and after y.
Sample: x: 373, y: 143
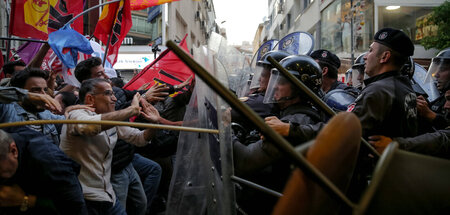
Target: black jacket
x: 45, y: 171
x: 260, y: 154
x: 387, y: 106
x: 435, y: 144
x: 340, y: 85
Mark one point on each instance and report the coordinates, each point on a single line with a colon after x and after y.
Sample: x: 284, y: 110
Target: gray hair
x: 5, y: 140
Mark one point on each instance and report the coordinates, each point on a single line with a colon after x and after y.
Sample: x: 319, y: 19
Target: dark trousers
x: 104, y: 208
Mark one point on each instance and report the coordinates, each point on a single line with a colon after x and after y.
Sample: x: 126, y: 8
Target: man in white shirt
x: 91, y: 145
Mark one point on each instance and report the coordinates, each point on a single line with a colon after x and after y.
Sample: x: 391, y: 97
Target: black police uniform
x: 440, y: 122
x: 255, y: 102
x: 261, y: 156
x: 387, y: 106
x: 435, y: 144
x: 340, y: 85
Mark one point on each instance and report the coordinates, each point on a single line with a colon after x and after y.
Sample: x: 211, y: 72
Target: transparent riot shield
x: 233, y: 62
x: 424, y: 84
x: 203, y: 165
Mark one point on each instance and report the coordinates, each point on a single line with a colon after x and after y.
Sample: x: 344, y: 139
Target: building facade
x: 330, y: 22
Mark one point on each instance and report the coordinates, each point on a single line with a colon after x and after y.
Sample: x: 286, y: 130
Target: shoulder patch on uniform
x: 351, y: 107
x: 243, y: 99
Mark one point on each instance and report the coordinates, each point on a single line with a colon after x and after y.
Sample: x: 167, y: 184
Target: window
x: 336, y: 27
x: 411, y: 20
x: 140, y: 25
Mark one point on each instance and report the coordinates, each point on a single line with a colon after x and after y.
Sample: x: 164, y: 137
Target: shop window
x: 411, y: 20
x: 336, y: 26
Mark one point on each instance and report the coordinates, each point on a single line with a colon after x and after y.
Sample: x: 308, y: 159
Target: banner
x: 265, y: 47
x: 38, y: 18
x: 167, y: 69
x: 115, y: 20
x: 142, y: 4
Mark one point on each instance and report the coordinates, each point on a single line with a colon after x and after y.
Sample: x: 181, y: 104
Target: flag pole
x: 107, y: 46
x: 24, y: 39
x: 87, y: 10
x: 8, y: 46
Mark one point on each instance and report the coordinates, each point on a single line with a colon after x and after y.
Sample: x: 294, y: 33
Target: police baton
x: 276, y: 139
x: 313, y: 97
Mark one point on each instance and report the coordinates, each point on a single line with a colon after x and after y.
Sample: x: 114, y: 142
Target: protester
x: 91, y: 145
x: 36, y: 177
x: 33, y: 80
x: 9, y: 69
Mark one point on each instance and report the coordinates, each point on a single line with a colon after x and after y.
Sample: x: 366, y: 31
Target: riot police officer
x: 294, y: 106
x: 242, y: 128
x: 358, y: 74
x: 262, y: 159
x: 440, y: 71
x: 330, y: 63
x: 387, y: 105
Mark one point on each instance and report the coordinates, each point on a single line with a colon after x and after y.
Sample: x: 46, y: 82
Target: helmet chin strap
x: 286, y: 98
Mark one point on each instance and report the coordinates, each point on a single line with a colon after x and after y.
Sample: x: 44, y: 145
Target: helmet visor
x: 358, y: 77
x: 260, y: 78
x: 441, y: 66
x: 279, y: 89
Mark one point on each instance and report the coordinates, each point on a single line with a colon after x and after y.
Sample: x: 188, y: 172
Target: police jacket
x: 124, y: 97
x: 340, y: 85
x: 435, y: 144
x: 255, y: 102
x: 261, y: 154
x: 387, y: 106
x: 46, y: 172
x: 440, y: 122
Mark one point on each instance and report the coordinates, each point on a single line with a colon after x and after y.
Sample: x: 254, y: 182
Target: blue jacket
x: 13, y: 112
x: 46, y: 172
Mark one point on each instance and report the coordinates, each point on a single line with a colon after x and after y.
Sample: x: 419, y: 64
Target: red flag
x: 167, y: 68
x: 142, y: 4
x: 38, y: 18
x: 115, y: 20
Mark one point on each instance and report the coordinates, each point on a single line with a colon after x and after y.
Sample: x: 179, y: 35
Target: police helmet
x: 408, y: 68
x: 339, y: 99
x: 359, y: 62
x: 275, y: 54
x: 303, y: 68
x: 440, y: 63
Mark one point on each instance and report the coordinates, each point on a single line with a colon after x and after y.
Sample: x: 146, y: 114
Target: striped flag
x: 142, y: 4
x: 112, y: 27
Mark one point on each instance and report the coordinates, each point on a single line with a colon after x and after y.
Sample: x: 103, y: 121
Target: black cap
x: 326, y: 56
x: 396, y: 40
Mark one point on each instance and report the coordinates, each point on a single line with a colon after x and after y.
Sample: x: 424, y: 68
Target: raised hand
x: 149, y: 112
x: 156, y: 93
x: 44, y: 100
x: 144, y: 86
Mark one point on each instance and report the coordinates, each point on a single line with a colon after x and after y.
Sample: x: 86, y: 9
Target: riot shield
x: 298, y: 43
x: 232, y: 62
x: 424, y: 84
x: 201, y: 179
